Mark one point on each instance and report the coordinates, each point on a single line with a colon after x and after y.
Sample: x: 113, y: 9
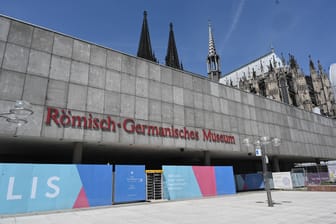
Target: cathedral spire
x: 274, y: 62
x: 145, y: 48
x: 283, y: 60
x: 320, y: 68
x: 172, y: 59
x: 213, y: 59
x: 311, y: 64
x: 270, y: 69
x: 312, y: 69
x: 292, y: 63
x: 212, y: 49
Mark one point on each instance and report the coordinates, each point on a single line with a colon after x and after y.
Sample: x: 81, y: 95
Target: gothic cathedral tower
x: 172, y: 58
x: 145, y: 47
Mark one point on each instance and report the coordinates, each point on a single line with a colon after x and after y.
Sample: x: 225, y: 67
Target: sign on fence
x: 130, y: 183
x: 282, y: 180
x: 332, y: 172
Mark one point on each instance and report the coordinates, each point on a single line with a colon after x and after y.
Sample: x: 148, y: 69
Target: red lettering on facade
x: 128, y: 125
x: 78, y: 120
x: 52, y: 115
x: 103, y: 125
x: 139, y: 129
x: 215, y: 137
x: 152, y: 130
x: 66, y: 119
x: 111, y: 124
x: 96, y: 123
x: 175, y: 135
x: 162, y: 132
x: 168, y: 132
x: 206, y: 136
x: 181, y: 134
x: 90, y: 121
x: 196, y: 136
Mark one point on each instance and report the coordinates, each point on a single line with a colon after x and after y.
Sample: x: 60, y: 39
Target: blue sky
x: 243, y: 29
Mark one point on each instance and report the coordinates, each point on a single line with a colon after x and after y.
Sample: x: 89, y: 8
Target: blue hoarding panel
x: 41, y: 187
x: 180, y: 183
x: 97, y: 183
x: 32, y: 187
x: 130, y: 183
x: 225, y: 182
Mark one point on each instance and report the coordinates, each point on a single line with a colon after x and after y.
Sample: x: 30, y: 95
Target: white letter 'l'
x: 10, y: 195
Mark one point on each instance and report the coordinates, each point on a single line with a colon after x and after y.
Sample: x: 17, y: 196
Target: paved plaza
x: 290, y: 207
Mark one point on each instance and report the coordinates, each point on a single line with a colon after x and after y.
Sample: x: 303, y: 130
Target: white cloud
x: 235, y: 20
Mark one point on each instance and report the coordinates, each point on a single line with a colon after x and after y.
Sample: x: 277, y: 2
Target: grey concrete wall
x: 50, y: 69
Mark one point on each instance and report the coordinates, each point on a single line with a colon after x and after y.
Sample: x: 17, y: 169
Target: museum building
x: 94, y: 105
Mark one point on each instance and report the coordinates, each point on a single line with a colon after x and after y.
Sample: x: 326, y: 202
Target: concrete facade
x: 49, y: 69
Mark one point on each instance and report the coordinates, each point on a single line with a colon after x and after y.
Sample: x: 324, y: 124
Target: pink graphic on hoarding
x: 81, y: 201
x: 206, y: 179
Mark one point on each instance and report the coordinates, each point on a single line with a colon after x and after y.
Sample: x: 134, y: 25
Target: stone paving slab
x: 291, y: 207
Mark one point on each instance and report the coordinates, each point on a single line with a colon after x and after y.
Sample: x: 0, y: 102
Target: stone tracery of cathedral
x: 290, y: 85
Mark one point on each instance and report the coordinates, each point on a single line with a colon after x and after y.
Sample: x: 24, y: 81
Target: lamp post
x: 19, y: 114
x: 260, y: 144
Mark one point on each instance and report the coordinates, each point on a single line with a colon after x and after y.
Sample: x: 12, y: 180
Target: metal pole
x: 113, y: 184
x: 266, y: 181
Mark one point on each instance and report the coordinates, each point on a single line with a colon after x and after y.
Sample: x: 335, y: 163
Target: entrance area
x: 154, y: 185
